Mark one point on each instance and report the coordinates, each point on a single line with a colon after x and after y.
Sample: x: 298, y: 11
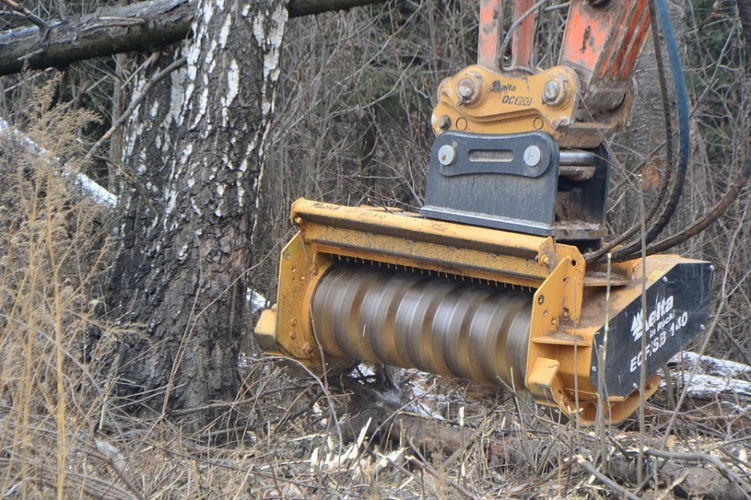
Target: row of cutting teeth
x: 429, y: 272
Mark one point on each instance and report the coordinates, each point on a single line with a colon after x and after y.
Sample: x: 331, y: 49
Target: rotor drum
x: 437, y: 325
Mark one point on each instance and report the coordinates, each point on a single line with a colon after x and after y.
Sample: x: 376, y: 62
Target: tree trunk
x: 195, y: 146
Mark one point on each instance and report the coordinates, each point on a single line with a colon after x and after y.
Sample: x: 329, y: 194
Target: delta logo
x: 662, y: 308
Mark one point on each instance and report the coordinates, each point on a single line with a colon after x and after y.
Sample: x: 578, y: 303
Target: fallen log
x: 144, y: 26
x: 136, y: 27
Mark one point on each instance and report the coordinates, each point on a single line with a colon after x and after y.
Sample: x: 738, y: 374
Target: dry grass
x: 52, y: 251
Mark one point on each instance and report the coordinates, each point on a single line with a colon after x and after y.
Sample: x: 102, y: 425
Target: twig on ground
x: 703, y: 457
x: 89, y: 484
x: 277, y: 421
x: 406, y: 471
x: 228, y: 404
x: 603, y: 478
x: 557, y: 471
x: 324, y: 387
x: 112, y: 456
x: 423, y: 463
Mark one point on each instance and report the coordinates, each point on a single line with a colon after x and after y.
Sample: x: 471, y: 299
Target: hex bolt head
x: 532, y: 156
x: 444, y: 122
x: 467, y: 90
x: 446, y: 155
x: 554, y: 92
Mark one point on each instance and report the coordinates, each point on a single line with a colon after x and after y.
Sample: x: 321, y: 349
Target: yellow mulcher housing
x: 492, y: 306
x: 488, y: 282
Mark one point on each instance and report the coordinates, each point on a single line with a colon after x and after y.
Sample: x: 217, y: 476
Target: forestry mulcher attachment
x: 497, y: 279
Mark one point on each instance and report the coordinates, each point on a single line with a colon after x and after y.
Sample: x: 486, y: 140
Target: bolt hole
x: 540, y: 299
x: 573, y: 263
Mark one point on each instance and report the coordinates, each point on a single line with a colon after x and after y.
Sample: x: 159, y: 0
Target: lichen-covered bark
x: 196, y: 148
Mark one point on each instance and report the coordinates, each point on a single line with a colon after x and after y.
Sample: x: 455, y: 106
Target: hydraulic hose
x: 683, y: 125
x: 668, y: 172
x: 744, y: 13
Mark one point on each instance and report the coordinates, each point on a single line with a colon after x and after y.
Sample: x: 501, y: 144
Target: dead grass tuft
x: 52, y: 255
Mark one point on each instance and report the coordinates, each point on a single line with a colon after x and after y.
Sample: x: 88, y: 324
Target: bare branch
x: 26, y: 13
x: 135, y: 103
x: 126, y: 114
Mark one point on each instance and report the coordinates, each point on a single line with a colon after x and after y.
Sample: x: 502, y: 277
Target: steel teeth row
x: 437, y: 325
x: 436, y: 274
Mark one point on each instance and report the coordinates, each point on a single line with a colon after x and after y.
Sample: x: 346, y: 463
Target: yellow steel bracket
x: 565, y: 283
x: 286, y: 330
x: 482, y: 101
x: 557, y: 301
x: 543, y: 382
